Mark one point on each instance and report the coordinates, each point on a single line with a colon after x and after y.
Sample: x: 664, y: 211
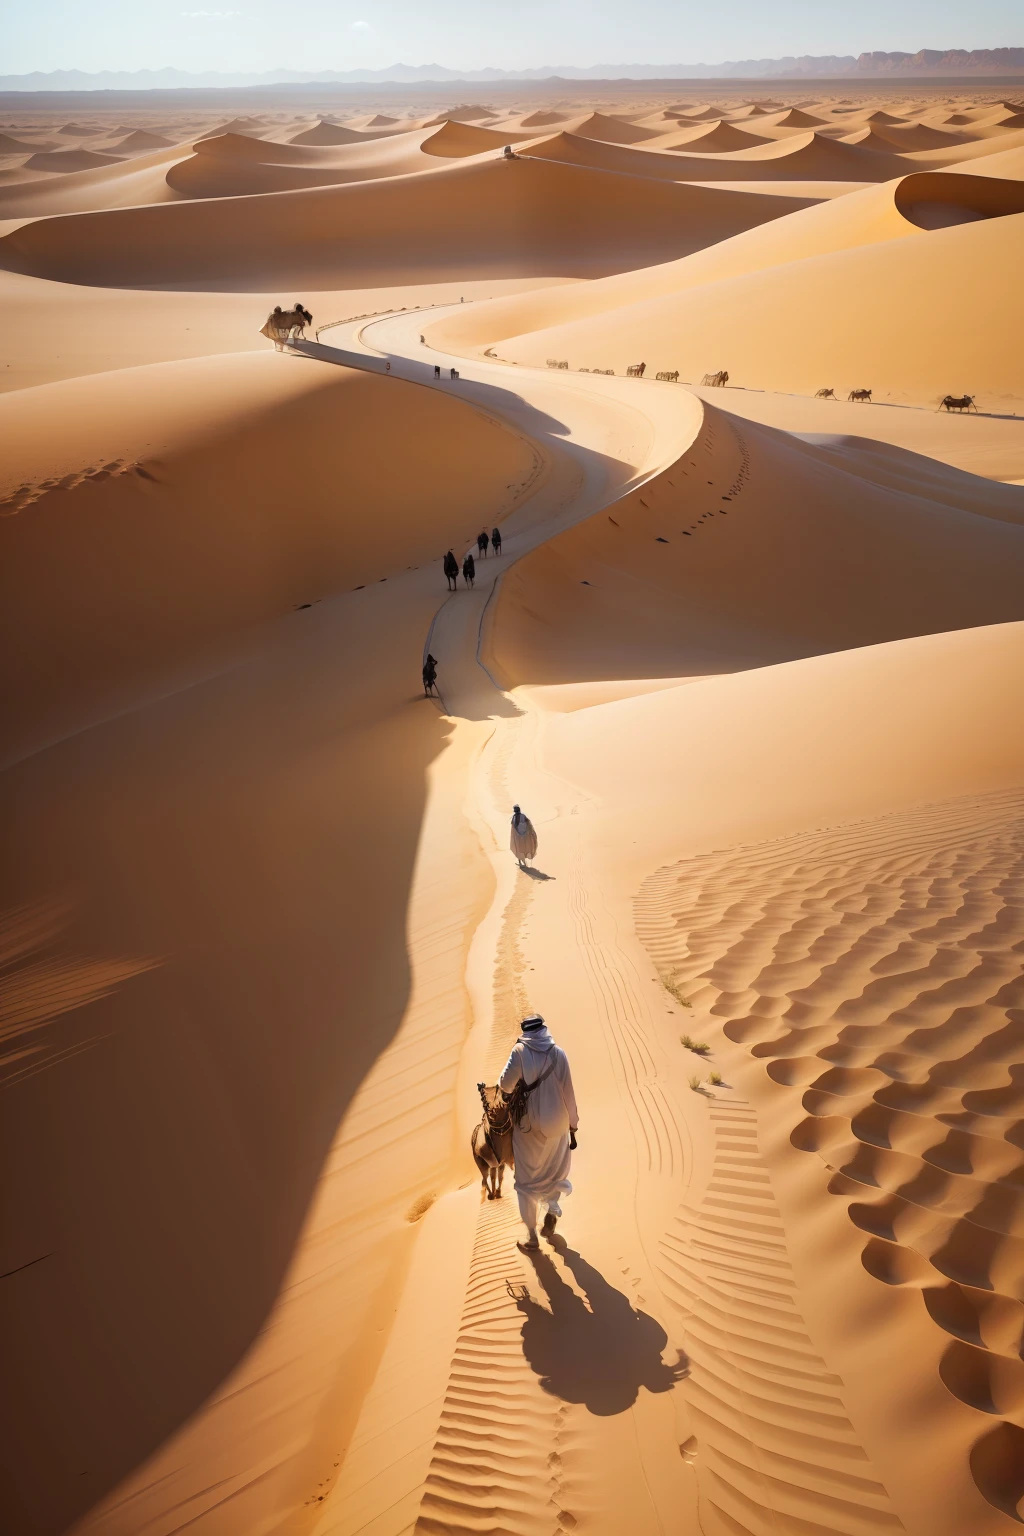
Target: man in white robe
x: 544, y: 1142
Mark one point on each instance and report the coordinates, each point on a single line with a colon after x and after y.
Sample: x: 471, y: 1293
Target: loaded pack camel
x: 824, y: 394
x: 957, y: 403
x: 286, y: 325
x: 863, y: 395
x: 669, y: 378
x: 491, y: 1141
x: 716, y: 380
x: 635, y: 370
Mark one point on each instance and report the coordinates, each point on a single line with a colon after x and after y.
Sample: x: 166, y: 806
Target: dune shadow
x: 598, y: 1352
x: 168, y: 1156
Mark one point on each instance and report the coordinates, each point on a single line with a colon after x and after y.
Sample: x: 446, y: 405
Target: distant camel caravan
x: 636, y: 370
x: 286, y: 325
x: 957, y: 403
x: 863, y: 395
x: 668, y: 378
x: 716, y: 380
x: 824, y: 394
x: 491, y: 1141
x: 553, y: 362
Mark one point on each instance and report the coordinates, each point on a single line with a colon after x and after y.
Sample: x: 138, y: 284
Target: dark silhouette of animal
x: 468, y: 570
x: 957, y: 403
x: 491, y: 1141
x: 716, y: 380
x: 863, y: 395
x: 824, y: 394
x: 437, y: 370
x: 496, y: 540
x: 668, y: 378
x: 482, y: 541
x: 455, y: 373
x: 636, y: 370
x: 429, y: 675
x: 451, y: 570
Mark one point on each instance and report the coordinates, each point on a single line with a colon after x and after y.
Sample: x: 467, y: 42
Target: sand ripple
x: 877, y: 967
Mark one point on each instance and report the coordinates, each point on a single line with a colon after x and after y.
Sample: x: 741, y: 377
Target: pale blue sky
x: 466, y: 34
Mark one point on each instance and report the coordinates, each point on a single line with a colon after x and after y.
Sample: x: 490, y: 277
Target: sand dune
x: 791, y: 117
x: 232, y: 166
x: 710, y: 138
x: 122, y: 184
x: 780, y: 329
x: 324, y: 133
x: 704, y: 569
x: 893, y: 211
x: 64, y: 160
x: 1006, y: 162
x: 610, y: 130
x: 138, y: 139
x: 232, y: 431
x: 491, y: 218
x: 13, y: 146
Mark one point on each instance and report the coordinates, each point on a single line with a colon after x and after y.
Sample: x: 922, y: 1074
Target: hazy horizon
x: 261, y: 35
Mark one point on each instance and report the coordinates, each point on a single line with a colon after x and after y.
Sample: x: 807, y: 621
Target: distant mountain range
x: 927, y: 62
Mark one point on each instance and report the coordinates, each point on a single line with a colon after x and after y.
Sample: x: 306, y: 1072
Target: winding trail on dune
x: 563, y: 1390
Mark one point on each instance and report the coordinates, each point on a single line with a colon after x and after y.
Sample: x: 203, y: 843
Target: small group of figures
x: 451, y: 564
x: 286, y: 324
x: 454, y: 372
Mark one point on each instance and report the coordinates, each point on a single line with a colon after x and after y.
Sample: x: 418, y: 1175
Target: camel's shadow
x: 599, y: 1352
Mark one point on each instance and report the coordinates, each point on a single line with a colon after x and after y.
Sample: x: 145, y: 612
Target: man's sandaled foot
x: 548, y: 1228
x: 529, y: 1247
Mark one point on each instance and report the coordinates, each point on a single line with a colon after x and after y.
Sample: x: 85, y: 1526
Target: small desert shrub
x: 714, y: 1078
x: 695, y: 1084
x: 700, y: 1047
x: 673, y: 991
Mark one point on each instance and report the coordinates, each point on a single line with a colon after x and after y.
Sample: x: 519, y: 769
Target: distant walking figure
x: 429, y: 674
x: 455, y: 373
x: 437, y: 370
x: 451, y: 570
x: 523, y: 841
x: 469, y: 570
x: 482, y: 541
x: 537, y: 1083
x: 496, y: 541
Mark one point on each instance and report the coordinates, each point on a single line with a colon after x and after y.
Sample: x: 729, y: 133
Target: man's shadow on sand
x: 598, y: 1355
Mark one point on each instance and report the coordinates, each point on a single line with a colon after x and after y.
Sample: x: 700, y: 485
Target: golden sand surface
x: 751, y: 659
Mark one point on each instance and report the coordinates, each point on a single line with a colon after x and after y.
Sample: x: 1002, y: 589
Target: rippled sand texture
x: 874, y: 970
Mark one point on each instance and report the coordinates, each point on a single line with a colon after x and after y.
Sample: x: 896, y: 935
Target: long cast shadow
x: 597, y: 1352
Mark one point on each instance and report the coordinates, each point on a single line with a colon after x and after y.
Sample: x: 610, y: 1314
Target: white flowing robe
x: 541, y: 1144
x: 523, y: 841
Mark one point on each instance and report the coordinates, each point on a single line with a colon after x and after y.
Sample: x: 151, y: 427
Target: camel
x: 824, y: 394
x: 863, y: 395
x: 957, y: 403
x: 429, y: 676
x: 668, y: 378
x: 716, y: 380
x: 635, y: 370
x: 286, y: 325
x: 491, y: 1141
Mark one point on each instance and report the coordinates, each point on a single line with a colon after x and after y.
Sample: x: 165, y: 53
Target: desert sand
x: 750, y: 659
